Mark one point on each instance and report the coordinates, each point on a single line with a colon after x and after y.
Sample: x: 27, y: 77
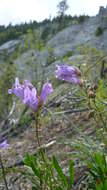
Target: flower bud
x: 91, y: 94
x: 78, y: 71
x: 81, y: 82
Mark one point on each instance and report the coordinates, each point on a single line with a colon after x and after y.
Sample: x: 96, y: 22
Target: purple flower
x: 4, y: 144
x: 68, y: 73
x: 30, y: 98
x: 46, y: 91
x: 28, y: 94
x: 18, y: 89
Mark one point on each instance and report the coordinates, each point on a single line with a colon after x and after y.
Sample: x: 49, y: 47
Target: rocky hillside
x: 64, y: 43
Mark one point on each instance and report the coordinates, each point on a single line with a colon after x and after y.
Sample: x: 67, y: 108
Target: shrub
x: 99, y: 31
x: 82, y: 18
x: 68, y: 54
x: 45, y: 33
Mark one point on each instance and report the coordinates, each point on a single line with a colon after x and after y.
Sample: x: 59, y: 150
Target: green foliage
x: 33, y: 40
x: 71, y: 171
x: 42, y: 174
x: 48, y: 26
x: 98, y: 171
x: 13, y: 32
x: 62, y: 7
x: 99, y: 105
x: 82, y: 18
x: 67, y: 184
x: 37, y: 172
x: 60, y: 172
x: 31, y: 161
x: 38, y: 41
x: 46, y: 32
x: 101, y: 186
x: 91, y: 156
x: 68, y: 54
x: 51, y: 56
x: 4, y: 55
x: 99, y: 31
x: 92, y: 62
x: 6, y: 81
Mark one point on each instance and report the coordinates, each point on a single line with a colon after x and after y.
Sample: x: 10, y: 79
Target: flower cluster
x: 68, y: 73
x: 28, y: 93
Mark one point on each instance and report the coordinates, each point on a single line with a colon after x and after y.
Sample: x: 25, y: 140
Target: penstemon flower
x: 28, y: 93
x: 4, y: 144
x: 68, y: 73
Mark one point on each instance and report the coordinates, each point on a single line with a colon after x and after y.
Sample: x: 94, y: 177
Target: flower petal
x: 18, y: 89
x: 10, y: 91
x: 66, y: 70
x: 16, y: 82
x: 27, y: 83
x: 30, y: 98
x: 46, y: 91
x: 68, y: 73
x: 4, y: 144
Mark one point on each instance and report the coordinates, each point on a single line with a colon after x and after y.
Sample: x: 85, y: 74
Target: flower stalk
x: 40, y: 147
x: 37, y: 135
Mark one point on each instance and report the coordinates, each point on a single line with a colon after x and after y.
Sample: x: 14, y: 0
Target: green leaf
x: 61, y: 175
x: 32, y: 177
x: 99, y: 187
x: 105, y: 185
x: 34, y: 188
x: 31, y: 162
x: 71, y: 171
x: 59, y: 188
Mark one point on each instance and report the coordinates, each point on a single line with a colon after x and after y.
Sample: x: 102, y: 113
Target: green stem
x: 40, y: 147
x: 39, y: 143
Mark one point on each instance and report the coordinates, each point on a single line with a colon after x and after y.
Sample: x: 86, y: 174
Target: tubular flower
x: 68, y: 73
x: 28, y: 93
x: 4, y: 144
x: 46, y: 91
x: 17, y: 89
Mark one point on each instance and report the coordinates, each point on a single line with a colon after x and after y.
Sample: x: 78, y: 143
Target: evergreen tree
x: 62, y: 8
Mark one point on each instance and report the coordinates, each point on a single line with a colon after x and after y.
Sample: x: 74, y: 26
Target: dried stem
x: 3, y: 172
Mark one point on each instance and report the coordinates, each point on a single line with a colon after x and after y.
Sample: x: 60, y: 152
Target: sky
x: 18, y: 11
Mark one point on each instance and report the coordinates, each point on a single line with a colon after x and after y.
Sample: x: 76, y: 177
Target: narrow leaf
x: 60, y: 172
x: 71, y: 171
